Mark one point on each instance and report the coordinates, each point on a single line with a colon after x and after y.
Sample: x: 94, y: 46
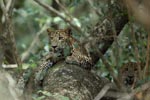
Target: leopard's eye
x: 135, y: 69
x: 126, y: 69
x: 60, y: 38
x: 51, y: 37
x: 57, y: 32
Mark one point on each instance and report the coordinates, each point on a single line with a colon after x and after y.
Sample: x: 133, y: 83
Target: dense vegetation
x: 24, y: 39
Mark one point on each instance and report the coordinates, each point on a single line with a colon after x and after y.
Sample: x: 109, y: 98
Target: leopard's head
x: 59, y: 39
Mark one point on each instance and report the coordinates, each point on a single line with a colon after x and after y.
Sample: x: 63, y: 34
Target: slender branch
x: 103, y: 91
x: 115, y: 94
x: 10, y: 66
x: 1, y: 55
x: 98, y: 12
x: 3, y: 7
x: 65, y: 10
x: 136, y: 52
x: 141, y: 14
x: 26, y: 54
x: 116, y: 52
x: 127, y: 96
x: 147, y: 67
x: 135, y: 91
x: 8, y: 5
x: 51, y: 9
x: 111, y: 71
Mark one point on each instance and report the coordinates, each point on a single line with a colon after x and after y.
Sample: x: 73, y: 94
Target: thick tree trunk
x: 73, y: 82
x: 7, y: 40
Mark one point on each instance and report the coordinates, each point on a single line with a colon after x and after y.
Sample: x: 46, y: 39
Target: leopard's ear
x: 49, y: 31
x: 68, y: 31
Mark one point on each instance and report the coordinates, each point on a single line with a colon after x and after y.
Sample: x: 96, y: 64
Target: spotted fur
x: 79, y: 56
x: 59, y: 41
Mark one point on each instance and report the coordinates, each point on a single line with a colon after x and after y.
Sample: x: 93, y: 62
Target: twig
x: 98, y: 12
x: 51, y: 9
x: 110, y: 69
x: 1, y: 56
x: 103, y: 91
x: 115, y: 94
x: 135, y: 91
x: 8, y: 5
x: 3, y: 7
x: 116, y: 44
x: 26, y: 54
x: 141, y: 14
x: 10, y: 66
x: 63, y: 8
x: 136, y: 52
x: 125, y: 95
x: 147, y: 67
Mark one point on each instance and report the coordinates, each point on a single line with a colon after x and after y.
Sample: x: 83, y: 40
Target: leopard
x: 56, y: 54
x: 128, y: 74
x: 78, y: 55
x: 60, y: 40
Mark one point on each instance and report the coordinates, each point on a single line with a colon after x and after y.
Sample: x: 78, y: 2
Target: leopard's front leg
x: 81, y: 60
x: 41, y: 73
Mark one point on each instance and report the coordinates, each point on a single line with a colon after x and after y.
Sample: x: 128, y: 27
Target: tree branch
x: 136, y: 53
x: 7, y: 36
x: 51, y: 9
x: 135, y: 91
x: 65, y: 10
x: 98, y: 12
x: 9, y: 3
x: 111, y: 71
x: 26, y: 54
x: 3, y: 7
x: 103, y: 91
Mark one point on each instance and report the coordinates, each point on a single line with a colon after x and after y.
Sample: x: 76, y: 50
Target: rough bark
x: 7, y: 39
x: 8, y: 91
x: 73, y: 82
x: 147, y: 68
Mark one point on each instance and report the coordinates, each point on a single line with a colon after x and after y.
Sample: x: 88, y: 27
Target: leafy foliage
x: 30, y: 18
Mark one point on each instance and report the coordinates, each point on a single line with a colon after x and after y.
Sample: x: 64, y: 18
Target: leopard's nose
x: 54, y: 46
